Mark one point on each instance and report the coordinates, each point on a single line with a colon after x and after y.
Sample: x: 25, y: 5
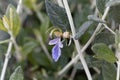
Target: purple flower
x: 56, y: 50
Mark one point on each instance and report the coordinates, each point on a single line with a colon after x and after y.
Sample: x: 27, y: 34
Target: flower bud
x: 66, y: 35
x: 58, y: 34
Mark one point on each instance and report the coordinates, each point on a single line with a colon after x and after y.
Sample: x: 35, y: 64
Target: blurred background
x: 33, y: 41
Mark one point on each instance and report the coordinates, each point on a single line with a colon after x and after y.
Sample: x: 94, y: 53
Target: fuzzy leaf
x: 105, y: 38
x: 108, y: 71
x: 112, y: 3
x: 57, y: 15
x: 115, y: 13
x: 101, y: 5
x: 95, y: 18
x: 13, y: 20
x: 2, y: 26
x: 103, y: 52
x: 114, y: 10
x: 17, y: 74
x: 82, y: 29
x: 28, y: 47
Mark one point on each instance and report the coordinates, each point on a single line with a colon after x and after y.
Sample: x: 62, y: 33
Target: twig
x: 5, y: 41
x: 118, y: 70
x: 8, y: 54
x: 19, y: 7
x: 118, y: 57
x: 97, y: 29
x: 93, y: 4
x: 76, y: 41
x: 86, y: 45
x: 7, y: 57
x: 97, y: 70
x: 109, y: 29
x: 17, y: 49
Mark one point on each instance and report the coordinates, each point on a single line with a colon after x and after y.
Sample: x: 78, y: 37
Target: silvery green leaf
x: 103, y: 52
x: 2, y: 27
x: 112, y: 3
x: 95, y: 18
x: 13, y: 20
x: 104, y: 37
x: 17, y: 74
x: 101, y: 5
x: 114, y: 13
x: 83, y: 29
x: 108, y: 71
x: 57, y: 15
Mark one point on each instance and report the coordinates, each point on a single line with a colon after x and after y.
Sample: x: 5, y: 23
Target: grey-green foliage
x: 80, y: 16
x: 115, y: 13
x: 108, y: 71
x: 17, y: 74
x: 13, y: 19
x: 95, y: 19
x: 103, y: 52
x: 112, y: 3
x: 105, y: 37
x: 114, y: 10
x: 101, y: 5
x: 34, y: 55
x: 83, y: 28
x: 2, y: 26
x: 28, y: 47
x: 2, y: 52
x: 57, y: 15
x: 10, y: 21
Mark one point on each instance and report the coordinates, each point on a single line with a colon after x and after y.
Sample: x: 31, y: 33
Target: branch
x: 118, y: 70
x: 19, y: 7
x: 17, y: 49
x: 7, y: 57
x: 11, y: 42
x: 76, y: 41
x: 109, y: 29
x: 86, y: 45
x: 118, y: 62
x: 5, y: 41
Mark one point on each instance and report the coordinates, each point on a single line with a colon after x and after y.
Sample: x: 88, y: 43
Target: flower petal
x: 56, y: 52
x: 54, y: 41
x: 60, y: 44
